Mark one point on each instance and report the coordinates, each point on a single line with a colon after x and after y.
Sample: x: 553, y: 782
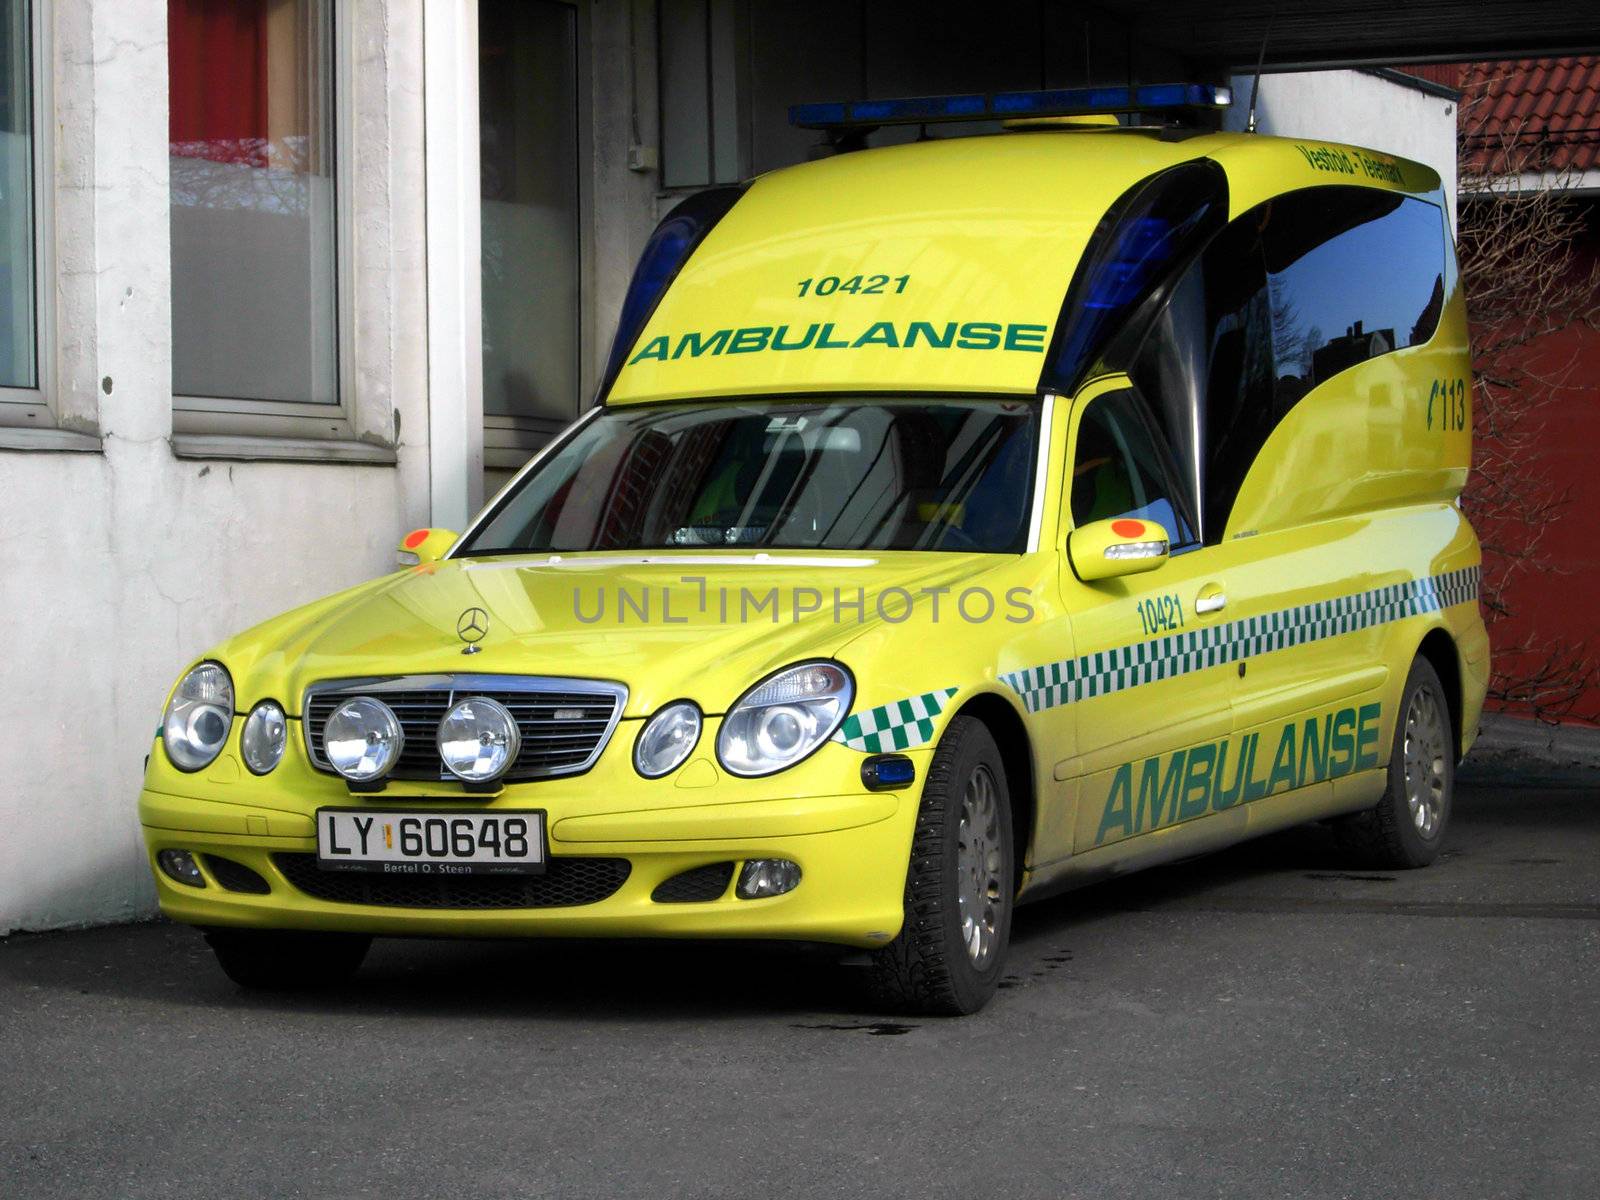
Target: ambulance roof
x: 939, y: 266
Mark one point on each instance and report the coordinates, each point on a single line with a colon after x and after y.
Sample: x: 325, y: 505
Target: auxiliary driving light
x: 767, y: 877
x: 363, y: 739
x: 180, y: 865
x: 478, y: 739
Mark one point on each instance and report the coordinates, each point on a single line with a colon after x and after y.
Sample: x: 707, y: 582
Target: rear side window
x: 1352, y: 274
x: 1289, y: 295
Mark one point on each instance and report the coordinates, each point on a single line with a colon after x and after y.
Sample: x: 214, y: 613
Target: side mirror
x: 1120, y: 546
x: 426, y: 545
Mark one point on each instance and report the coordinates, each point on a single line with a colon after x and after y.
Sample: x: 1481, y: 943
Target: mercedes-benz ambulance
x: 960, y: 521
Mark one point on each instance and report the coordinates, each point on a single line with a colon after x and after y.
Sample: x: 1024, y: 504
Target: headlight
x: 362, y: 739
x: 667, y: 739
x: 479, y: 739
x: 265, y: 734
x: 784, y: 718
x: 196, y: 723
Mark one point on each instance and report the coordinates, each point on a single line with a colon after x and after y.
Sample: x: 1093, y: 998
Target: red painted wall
x: 1563, y: 602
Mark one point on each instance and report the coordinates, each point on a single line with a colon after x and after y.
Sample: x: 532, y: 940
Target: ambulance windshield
x: 843, y: 474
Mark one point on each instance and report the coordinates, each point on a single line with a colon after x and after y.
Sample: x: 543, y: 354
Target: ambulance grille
x: 565, y: 723
x: 566, y: 883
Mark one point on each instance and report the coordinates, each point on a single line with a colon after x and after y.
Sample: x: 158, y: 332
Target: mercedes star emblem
x: 472, y: 627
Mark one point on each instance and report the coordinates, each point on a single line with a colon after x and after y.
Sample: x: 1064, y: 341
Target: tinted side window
x: 1241, y: 408
x: 1353, y: 274
x: 1287, y: 296
x: 1119, y: 469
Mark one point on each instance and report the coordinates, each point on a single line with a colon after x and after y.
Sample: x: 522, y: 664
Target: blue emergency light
x: 1004, y: 106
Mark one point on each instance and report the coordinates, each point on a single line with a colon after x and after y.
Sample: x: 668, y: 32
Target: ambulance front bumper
x: 642, y: 873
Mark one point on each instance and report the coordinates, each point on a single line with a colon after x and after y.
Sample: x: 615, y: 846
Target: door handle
x: 1210, y: 600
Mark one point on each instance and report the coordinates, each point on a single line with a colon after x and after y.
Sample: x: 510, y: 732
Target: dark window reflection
x: 1353, y: 274
x: 1285, y: 298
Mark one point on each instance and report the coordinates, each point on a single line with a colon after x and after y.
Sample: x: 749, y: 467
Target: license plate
x: 431, y: 843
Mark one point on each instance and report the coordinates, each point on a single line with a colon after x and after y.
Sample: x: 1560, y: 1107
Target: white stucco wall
x: 1358, y: 108
x: 121, y: 566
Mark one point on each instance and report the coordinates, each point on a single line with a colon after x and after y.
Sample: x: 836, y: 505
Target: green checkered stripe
x: 897, y: 726
x: 1117, y: 670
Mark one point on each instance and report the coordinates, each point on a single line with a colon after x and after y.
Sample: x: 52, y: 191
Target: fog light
x: 363, y: 739
x: 181, y: 866
x: 767, y: 877
x: 478, y: 739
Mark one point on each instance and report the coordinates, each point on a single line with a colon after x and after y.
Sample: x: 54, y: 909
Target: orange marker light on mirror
x: 422, y: 546
x: 1116, y: 546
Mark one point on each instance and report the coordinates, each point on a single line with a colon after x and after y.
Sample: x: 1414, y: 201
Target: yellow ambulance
x: 960, y: 521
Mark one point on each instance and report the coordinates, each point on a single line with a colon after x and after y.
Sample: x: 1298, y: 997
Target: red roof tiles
x: 1542, y: 113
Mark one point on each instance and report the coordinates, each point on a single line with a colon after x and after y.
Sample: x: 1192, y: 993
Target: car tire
x: 1408, y: 825
x: 287, y: 960
x: 960, y: 884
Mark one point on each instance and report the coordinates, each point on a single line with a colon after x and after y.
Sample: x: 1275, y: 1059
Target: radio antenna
x: 1255, y: 86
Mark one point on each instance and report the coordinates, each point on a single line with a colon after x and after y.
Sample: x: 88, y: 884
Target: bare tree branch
x: 1524, y: 283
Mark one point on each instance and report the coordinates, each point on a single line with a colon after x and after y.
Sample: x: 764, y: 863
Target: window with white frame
x: 19, y: 232
x: 255, y: 213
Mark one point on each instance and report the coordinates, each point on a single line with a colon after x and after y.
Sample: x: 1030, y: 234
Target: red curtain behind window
x: 217, y: 73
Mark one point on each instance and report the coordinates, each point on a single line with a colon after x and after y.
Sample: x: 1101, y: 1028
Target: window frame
x: 224, y: 427
x: 29, y: 417
x: 509, y: 441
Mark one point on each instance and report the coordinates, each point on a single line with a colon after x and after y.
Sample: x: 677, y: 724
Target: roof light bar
x: 999, y: 106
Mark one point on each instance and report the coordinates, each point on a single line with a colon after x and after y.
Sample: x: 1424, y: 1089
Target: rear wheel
x: 1407, y: 827
x: 287, y: 960
x: 959, y: 885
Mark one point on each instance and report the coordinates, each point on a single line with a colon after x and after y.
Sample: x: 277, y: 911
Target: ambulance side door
x: 1148, y: 685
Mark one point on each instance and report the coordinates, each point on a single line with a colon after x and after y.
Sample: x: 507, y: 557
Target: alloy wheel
x: 1427, y: 738
x: 979, y: 865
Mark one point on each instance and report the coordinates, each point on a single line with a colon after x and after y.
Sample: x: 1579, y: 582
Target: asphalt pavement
x: 1265, y: 1022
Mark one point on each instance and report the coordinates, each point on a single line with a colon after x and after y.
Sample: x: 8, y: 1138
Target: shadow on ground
x: 170, y: 965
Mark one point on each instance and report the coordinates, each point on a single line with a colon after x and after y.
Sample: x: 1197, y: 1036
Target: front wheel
x: 960, y: 884
x: 1407, y: 827
x: 287, y: 960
